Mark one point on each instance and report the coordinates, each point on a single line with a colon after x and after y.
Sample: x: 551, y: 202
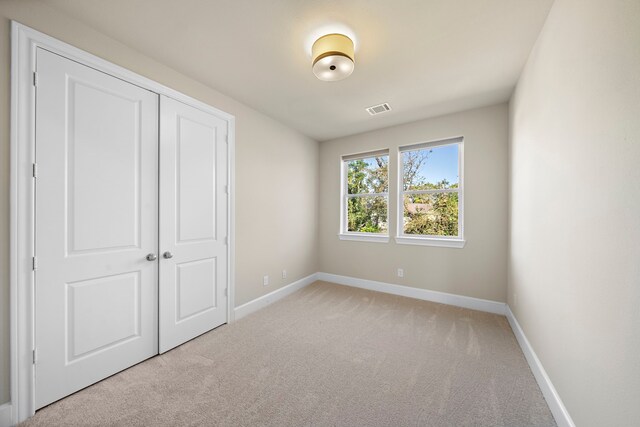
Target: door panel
x: 193, y: 222
x: 194, y: 291
x: 94, y: 147
x: 92, y: 303
x: 196, y: 167
x: 96, y: 220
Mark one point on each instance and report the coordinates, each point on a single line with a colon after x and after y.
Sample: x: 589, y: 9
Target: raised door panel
x: 196, y: 179
x: 195, y: 288
x: 102, y: 313
x: 103, y: 168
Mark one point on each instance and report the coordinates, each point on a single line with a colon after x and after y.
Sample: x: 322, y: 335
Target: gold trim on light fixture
x: 333, y: 57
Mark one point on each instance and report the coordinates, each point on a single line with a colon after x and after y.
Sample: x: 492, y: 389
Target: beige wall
x: 479, y: 269
x: 574, y: 265
x: 276, y: 169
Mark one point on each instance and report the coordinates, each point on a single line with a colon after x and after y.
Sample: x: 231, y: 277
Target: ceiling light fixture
x: 333, y: 57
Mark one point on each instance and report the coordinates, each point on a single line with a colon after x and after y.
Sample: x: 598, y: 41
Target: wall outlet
x: 401, y: 272
x: 284, y: 274
x: 265, y: 280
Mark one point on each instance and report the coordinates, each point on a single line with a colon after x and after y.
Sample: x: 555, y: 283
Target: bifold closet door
x: 193, y: 222
x: 96, y: 222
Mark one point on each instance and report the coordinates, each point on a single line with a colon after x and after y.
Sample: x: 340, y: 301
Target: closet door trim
x: 24, y: 42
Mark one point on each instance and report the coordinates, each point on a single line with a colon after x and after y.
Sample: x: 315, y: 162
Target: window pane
x: 431, y: 168
x: 367, y: 214
x: 368, y: 175
x: 431, y: 214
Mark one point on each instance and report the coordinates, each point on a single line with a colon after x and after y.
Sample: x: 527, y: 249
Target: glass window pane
x: 367, y: 214
x: 431, y: 168
x: 431, y: 214
x: 370, y: 175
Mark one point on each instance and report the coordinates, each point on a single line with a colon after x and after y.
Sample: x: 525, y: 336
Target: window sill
x: 431, y: 241
x: 377, y: 238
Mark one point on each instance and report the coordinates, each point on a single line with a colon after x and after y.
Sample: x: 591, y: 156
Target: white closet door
x: 193, y: 222
x: 96, y: 221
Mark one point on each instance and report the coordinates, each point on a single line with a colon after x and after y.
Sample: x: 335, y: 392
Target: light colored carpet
x: 328, y: 355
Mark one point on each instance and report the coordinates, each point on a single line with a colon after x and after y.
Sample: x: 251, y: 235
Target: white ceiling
x: 424, y: 57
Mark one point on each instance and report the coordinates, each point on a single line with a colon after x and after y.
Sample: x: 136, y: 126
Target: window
x: 431, y: 194
x: 365, y: 197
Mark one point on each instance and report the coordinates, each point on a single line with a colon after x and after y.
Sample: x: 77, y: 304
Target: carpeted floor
x: 328, y: 355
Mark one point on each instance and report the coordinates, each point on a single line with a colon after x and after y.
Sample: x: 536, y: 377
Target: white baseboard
x: 389, y: 288
x: 560, y: 413
x: 6, y: 420
x: 422, y: 294
x: 271, y: 297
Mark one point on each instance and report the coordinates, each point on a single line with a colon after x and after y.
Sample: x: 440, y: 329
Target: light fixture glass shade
x: 333, y: 57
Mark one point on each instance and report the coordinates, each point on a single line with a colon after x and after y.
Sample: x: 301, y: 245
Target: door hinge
x: 226, y: 240
x: 35, y: 356
x: 35, y: 78
x: 226, y: 189
x: 226, y: 138
x: 35, y: 263
x: 226, y: 292
x: 35, y: 170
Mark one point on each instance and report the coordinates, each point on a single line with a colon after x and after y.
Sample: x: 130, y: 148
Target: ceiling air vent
x: 377, y: 109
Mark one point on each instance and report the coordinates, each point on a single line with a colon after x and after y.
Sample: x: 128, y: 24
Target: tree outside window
x: 430, y: 190
x: 366, y: 198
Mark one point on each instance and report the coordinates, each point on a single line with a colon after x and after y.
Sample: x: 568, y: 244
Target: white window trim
x: 343, y: 234
x: 431, y: 240
x: 364, y: 237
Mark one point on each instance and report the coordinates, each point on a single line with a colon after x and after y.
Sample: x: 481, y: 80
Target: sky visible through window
x: 442, y: 163
x: 371, y: 161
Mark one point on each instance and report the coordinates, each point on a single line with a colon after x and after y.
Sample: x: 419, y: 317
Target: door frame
x: 24, y: 42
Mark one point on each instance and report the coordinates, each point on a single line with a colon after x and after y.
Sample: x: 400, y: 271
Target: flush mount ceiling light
x: 332, y: 57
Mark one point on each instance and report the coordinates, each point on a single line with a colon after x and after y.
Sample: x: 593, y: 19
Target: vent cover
x: 378, y: 109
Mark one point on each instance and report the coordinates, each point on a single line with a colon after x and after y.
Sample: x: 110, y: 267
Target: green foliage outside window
x: 434, y: 214
x: 367, y: 214
x: 431, y: 214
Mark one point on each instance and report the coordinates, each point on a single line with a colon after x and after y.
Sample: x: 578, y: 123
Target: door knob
x: 167, y: 255
x: 151, y: 257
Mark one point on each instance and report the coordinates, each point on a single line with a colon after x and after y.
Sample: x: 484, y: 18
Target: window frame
x: 431, y: 240
x: 344, y: 234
